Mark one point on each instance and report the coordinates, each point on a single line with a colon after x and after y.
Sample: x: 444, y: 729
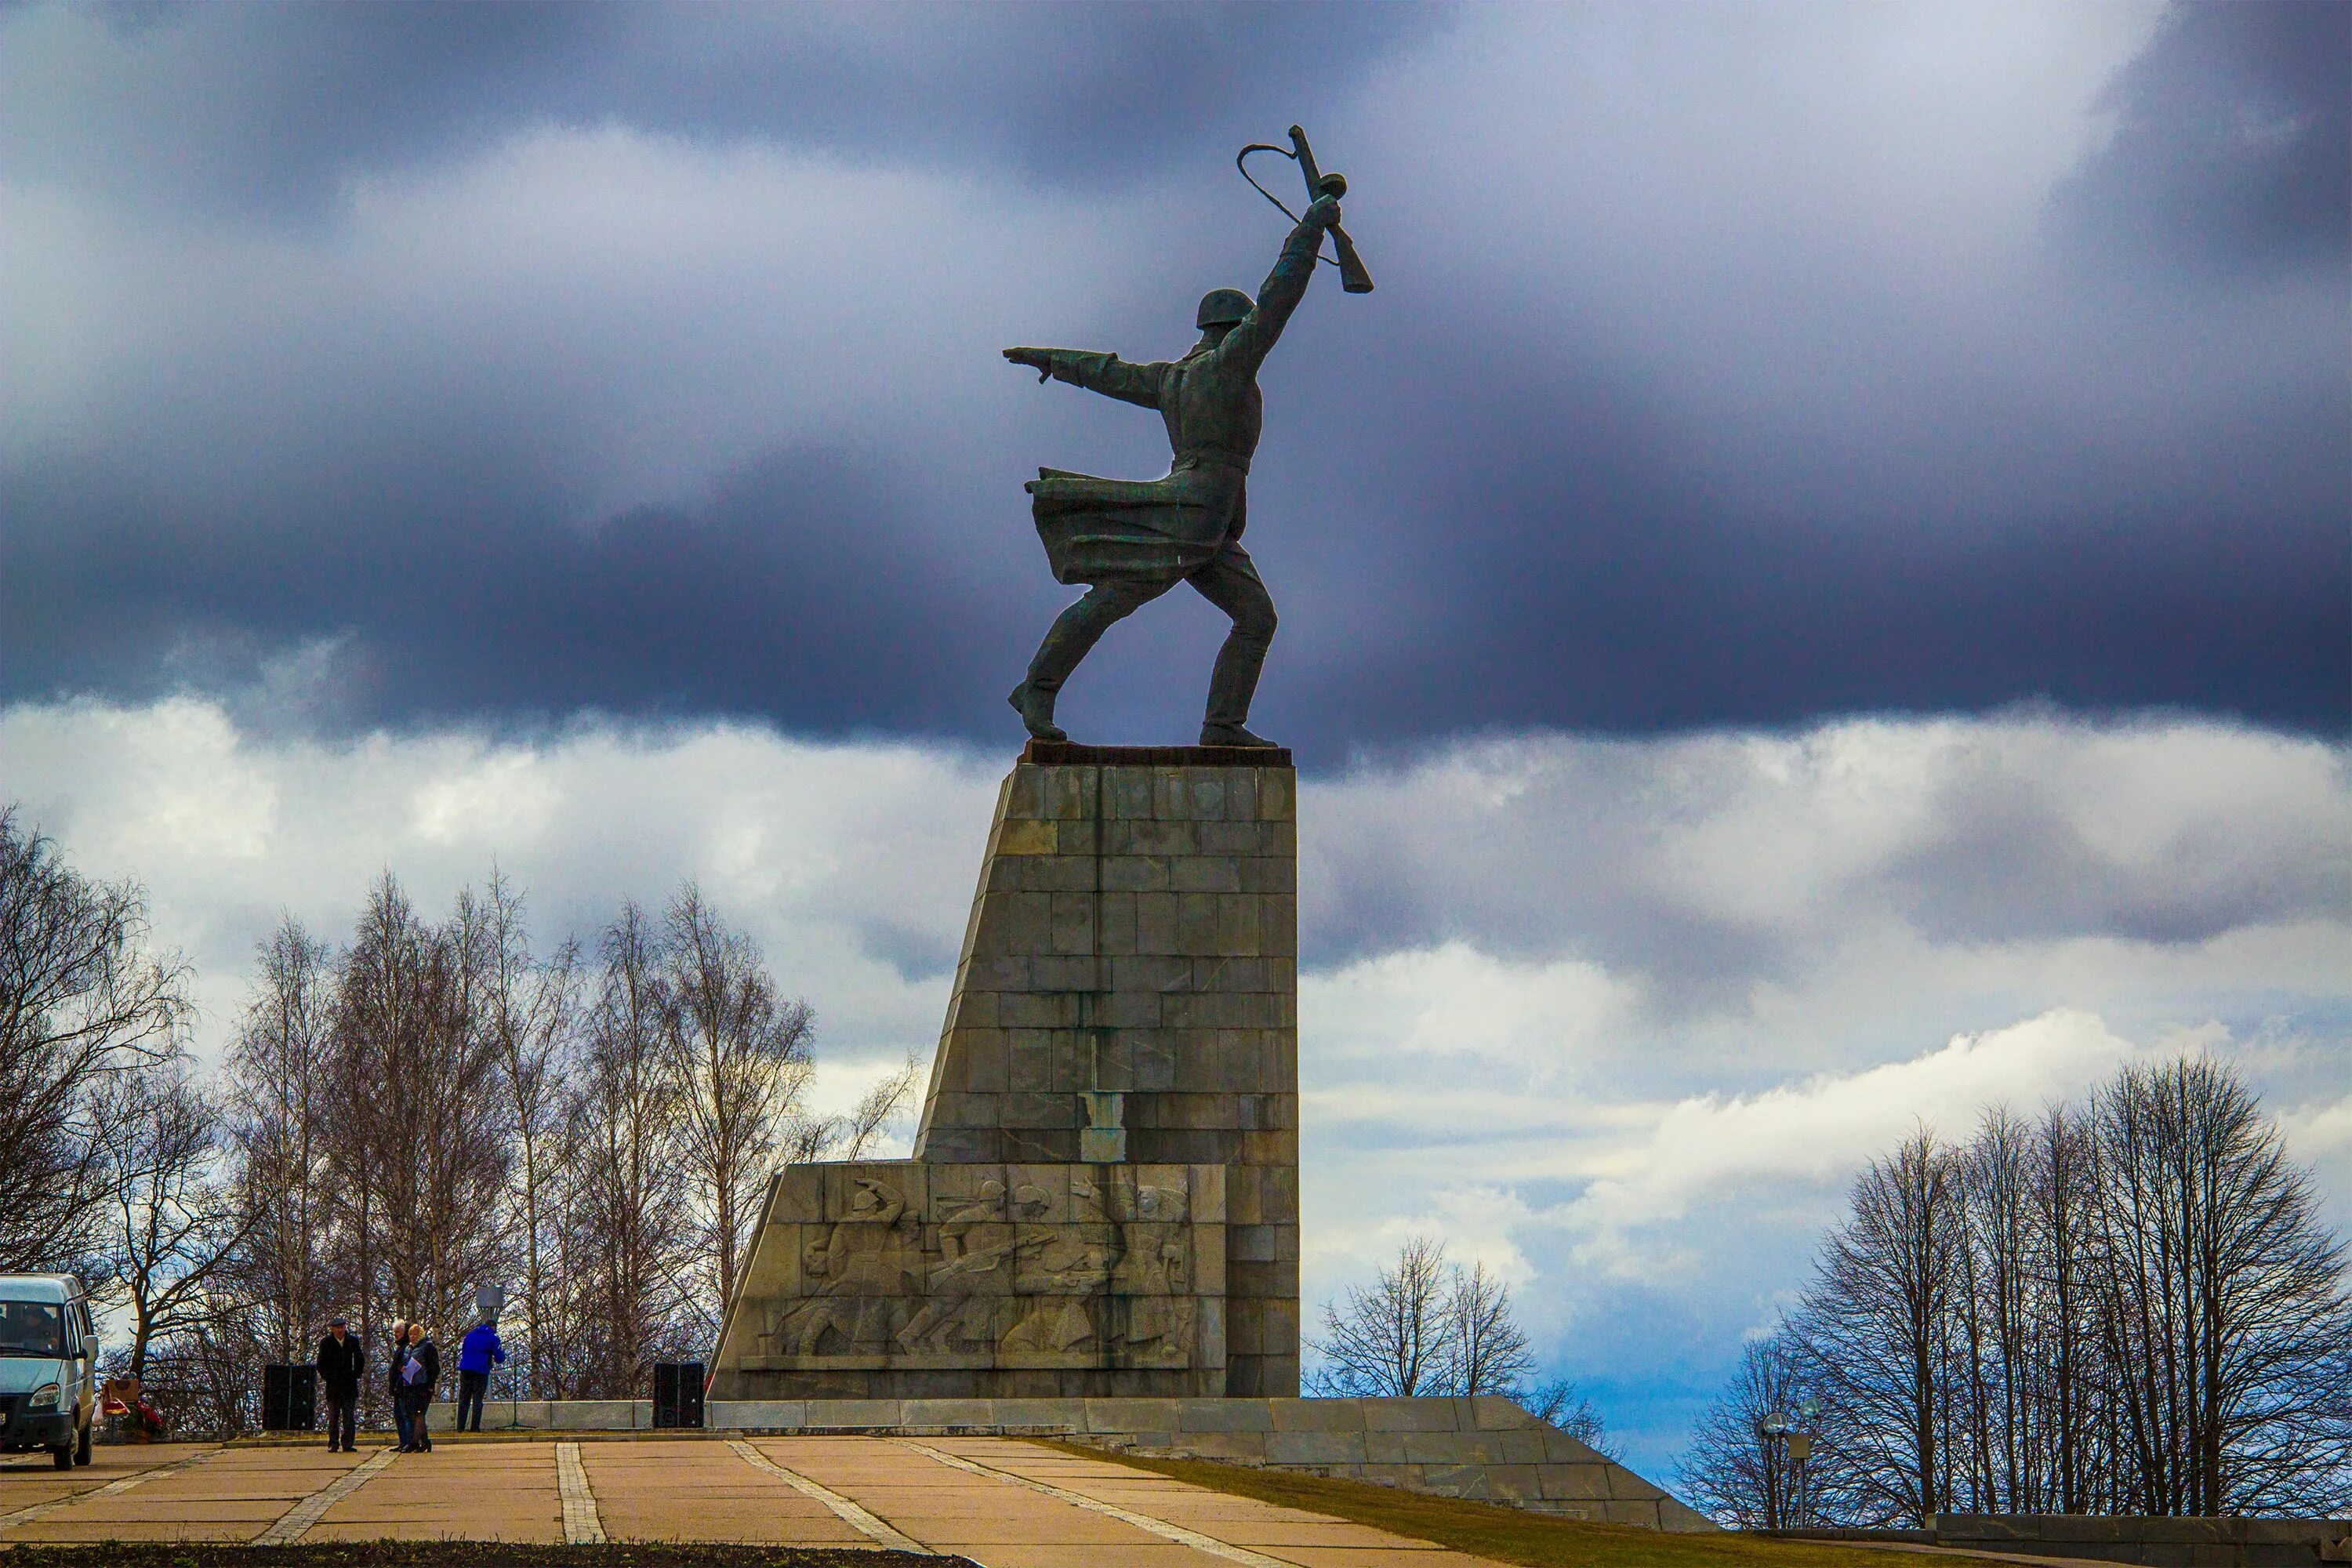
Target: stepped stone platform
x: 1484, y: 1448
x: 1103, y: 1199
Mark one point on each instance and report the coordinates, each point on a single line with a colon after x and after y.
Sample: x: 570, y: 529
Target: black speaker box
x: 677, y: 1394
x: 289, y: 1397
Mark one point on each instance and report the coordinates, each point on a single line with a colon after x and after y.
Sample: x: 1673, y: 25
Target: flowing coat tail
x: 1096, y: 529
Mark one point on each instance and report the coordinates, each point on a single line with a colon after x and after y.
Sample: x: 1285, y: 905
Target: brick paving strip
x: 111, y: 1489
x: 1158, y: 1527
x: 582, y: 1527
x: 850, y: 1513
x: 296, y: 1521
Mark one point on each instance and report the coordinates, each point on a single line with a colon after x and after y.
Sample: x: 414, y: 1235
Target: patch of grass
x: 1488, y: 1530
x: 457, y: 1554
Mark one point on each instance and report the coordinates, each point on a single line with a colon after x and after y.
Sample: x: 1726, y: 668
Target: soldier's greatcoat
x: 1096, y: 529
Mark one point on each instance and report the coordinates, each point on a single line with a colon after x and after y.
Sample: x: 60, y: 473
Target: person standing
x: 419, y: 1375
x: 340, y: 1360
x: 478, y: 1353
x: 396, y: 1364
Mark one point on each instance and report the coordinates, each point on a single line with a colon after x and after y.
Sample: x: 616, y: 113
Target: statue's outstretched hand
x: 1038, y: 360
x: 1323, y: 210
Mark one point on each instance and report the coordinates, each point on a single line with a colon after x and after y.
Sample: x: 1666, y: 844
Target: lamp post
x: 1789, y: 1436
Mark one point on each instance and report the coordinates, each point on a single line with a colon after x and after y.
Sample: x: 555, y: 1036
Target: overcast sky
x: 1815, y: 592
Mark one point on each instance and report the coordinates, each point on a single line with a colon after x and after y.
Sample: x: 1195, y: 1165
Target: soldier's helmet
x: 1223, y: 307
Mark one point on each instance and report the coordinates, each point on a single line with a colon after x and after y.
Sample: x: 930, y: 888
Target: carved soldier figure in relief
x: 1134, y: 539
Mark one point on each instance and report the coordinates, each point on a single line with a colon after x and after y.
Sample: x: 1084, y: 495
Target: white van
x: 49, y: 1366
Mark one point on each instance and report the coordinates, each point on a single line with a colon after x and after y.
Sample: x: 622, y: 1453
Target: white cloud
x: 1813, y: 1134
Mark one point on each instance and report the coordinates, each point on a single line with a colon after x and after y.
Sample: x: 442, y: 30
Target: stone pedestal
x: 1123, y: 1035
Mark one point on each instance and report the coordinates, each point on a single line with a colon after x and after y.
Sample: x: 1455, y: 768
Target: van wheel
x: 81, y: 1449
x: 63, y: 1454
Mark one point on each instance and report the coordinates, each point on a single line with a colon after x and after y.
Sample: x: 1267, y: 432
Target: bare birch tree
x: 630, y: 1198
x: 741, y: 1060
x: 421, y: 1139
x: 529, y: 1011
x: 279, y: 1072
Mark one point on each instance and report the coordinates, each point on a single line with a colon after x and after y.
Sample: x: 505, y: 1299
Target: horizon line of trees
x: 2126, y: 1306
x: 428, y: 1108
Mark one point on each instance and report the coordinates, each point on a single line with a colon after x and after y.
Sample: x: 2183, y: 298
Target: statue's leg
x: 1230, y: 581
x: 1074, y: 632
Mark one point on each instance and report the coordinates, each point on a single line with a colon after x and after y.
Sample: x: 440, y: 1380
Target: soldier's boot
x: 1233, y: 735
x: 1035, y: 706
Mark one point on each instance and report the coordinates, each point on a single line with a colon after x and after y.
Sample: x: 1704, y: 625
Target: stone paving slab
x: 1002, y: 1502
x: 33, y: 1480
x: 643, y: 1494
x: 485, y: 1491
x: 992, y: 1522
x: 1289, y: 1535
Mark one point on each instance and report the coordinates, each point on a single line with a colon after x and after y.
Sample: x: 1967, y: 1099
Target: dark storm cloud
x: 271, y: 107
x: 1608, y: 449
x: 2235, y: 145
x: 788, y: 593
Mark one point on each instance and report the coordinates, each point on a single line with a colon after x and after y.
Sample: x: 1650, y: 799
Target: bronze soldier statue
x: 1131, y: 540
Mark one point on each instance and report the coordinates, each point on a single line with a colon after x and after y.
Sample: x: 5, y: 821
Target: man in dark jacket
x: 1134, y: 539
x: 478, y: 1353
x: 395, y: 1364
x: 418, y: 1376
x: 340, y: 1361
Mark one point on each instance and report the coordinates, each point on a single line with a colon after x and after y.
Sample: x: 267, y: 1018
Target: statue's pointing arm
x: 1103, y: 372
x: 1254, y: 337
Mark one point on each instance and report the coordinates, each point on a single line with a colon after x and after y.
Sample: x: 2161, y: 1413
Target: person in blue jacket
x: 478, y: 1353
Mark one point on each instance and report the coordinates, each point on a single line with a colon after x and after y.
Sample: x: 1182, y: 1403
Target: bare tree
x: 1879, y: 1321
x: 173, y: 1229
x: 629, y: 1199
x: 1559, y: 1402
x: 1390, y: 1340
x: 857, y: 1134
x: 530, y: 1013
x: 420, y: 1140
x: 741, y: 1062
x: 1427, y: 1328
x: 2132, y: 1308
x: 278, y: 1073
x: 1737, y: 1468
x: 80, y: 998
x: 2223, y: 1299
x: 1483, y: 1350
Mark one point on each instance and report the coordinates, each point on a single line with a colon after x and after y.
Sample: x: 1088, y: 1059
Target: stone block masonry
x: 1124, y: 1020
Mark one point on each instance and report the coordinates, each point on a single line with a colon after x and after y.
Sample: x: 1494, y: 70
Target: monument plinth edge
x: 1070, y: 754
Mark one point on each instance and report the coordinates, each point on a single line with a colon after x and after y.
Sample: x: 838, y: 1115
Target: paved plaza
x: 1002, y: 1502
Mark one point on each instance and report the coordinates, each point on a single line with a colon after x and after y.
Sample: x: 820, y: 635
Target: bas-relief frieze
x: 982, y: 1265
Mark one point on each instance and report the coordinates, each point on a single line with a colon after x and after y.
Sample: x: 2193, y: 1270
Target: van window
x: 32, y: 1328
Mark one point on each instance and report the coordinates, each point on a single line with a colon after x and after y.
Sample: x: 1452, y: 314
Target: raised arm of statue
x: 1250, y: 342
x: 1103, y: 372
